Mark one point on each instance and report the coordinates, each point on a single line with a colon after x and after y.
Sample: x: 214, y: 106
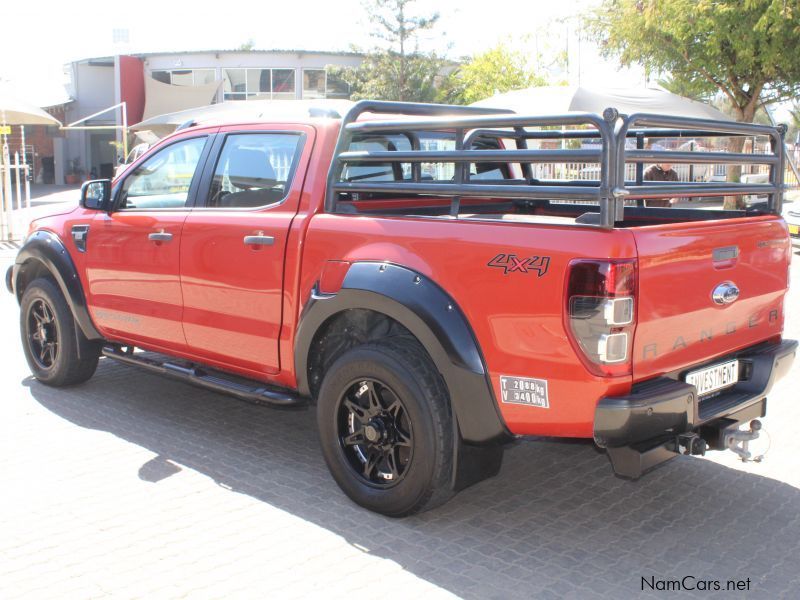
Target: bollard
x: 3, y: 233
x: 18, y: 183
x: 8, y: 229
x: 27, y: 186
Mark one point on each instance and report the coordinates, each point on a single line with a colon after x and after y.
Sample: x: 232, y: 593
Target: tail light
x: 601, y: 305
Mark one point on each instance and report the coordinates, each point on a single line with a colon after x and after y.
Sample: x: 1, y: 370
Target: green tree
x: 397, y: 69
x: 746, y: 50
x: 497, y: 70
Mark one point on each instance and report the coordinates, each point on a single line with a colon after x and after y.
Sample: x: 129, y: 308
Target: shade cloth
x: 550, y: 100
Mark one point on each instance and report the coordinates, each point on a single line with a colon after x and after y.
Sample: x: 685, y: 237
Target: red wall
x: 131, y: 83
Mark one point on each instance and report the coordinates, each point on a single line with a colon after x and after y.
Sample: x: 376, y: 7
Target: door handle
x: 259, y: 240
x: 160, y: 236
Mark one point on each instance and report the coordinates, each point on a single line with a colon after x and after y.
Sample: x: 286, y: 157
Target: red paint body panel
x: 133, y: 284
x: 233, y: 293
x: 516, y: 317
x: 678, y: 323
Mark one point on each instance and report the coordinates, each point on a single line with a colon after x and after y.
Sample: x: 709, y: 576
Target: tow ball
x: 738, y: 441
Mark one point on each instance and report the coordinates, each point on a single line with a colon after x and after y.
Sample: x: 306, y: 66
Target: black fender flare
x: 46, y: 248
x: 433, y: 317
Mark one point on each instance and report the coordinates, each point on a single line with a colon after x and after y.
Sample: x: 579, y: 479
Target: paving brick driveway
x: 135, y: 486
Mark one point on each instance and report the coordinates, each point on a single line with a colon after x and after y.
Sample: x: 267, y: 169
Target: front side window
x: 163, y: 180
x: 254, y: 169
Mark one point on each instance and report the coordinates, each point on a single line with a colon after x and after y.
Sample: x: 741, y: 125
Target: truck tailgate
x: 681, y: 265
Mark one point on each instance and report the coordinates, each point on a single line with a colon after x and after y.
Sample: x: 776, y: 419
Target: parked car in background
x: 791, y: 213
x: 136, y: 152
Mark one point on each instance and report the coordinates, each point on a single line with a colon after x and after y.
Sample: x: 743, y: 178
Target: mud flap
x: 474, y: 463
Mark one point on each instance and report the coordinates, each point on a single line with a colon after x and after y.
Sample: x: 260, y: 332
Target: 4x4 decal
x: 510, y: 263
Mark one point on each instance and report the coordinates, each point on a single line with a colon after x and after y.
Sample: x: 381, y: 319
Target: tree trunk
x: 736, y: 144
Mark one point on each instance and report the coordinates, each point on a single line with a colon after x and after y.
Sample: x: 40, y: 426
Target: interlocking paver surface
x: 137, y: 486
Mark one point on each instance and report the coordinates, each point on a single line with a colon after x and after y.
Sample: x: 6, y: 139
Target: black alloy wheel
x: 57, y: 351
x: 386, y: 429
x: 375, y: 432
x: 42, y: 333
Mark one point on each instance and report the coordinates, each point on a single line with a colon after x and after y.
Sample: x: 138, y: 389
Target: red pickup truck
x: 437, y: 280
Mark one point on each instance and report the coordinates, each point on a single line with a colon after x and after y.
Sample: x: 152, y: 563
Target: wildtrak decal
x: 107, y: 315
x: 510, y: 263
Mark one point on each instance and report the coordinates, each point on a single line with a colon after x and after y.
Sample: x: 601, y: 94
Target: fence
x: 13, y: 195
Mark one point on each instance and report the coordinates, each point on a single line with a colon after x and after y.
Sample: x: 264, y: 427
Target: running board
x: 249, y: 391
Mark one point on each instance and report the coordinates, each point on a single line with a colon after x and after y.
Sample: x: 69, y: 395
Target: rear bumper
x: 664, y: 407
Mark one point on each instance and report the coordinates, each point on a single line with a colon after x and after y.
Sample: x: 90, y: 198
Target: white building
x: 156, y: 83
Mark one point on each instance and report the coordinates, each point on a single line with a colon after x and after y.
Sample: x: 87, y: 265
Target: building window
x: 262, y: 84
x: 318, y: 83
x: 188, y: 77
x: 314, y: 83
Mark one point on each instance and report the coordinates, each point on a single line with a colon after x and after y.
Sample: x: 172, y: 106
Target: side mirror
x: 96, y: 194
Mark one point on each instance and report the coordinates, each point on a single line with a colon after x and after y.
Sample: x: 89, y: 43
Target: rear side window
x: 378, y: 171
x: 355, y: 172
x: 254, y: 169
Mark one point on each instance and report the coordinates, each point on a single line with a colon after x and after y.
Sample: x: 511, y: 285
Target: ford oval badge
x: 725, y: 293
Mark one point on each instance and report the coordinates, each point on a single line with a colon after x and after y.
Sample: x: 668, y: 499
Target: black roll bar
x: 470, y: 124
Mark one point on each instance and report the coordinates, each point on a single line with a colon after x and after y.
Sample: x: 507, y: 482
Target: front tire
x: 386, y: 429
x: 57, y: 352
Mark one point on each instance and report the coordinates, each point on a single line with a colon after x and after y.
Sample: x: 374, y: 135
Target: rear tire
x: 57, y: 352
x: 386, y: 428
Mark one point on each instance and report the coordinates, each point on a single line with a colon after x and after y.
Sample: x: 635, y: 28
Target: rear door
x: 234, y: 245
x: 682, y: 265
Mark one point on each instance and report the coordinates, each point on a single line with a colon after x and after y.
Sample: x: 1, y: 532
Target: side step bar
x: 249, y: 391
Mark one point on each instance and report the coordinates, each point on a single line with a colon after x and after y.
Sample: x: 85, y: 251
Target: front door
x: 132, y: 254
x: 234, y: 247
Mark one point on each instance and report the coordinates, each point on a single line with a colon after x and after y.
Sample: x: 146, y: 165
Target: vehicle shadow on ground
x: 554, y: 522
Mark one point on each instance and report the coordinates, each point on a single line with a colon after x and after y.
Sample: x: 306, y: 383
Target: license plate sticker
x: 794, y: 229
x: 714, y: 378
x: 524, y: 390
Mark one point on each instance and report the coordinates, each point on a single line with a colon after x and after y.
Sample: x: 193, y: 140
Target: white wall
x: 93, y: 90
x: 94, y: 85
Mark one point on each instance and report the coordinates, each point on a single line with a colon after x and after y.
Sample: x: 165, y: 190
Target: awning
x: 163, y: 98
x: 16, y: 112
x: 560, y: 99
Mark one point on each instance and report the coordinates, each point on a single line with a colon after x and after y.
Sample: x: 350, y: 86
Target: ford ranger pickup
x: 436, y: 280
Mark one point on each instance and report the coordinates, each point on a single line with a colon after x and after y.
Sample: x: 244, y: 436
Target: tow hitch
x: 738, y: 441
x: 690, y: 444
x: 630, y: 462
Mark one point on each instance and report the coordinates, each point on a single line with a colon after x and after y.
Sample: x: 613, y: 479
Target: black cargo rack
x: 611, y: 129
